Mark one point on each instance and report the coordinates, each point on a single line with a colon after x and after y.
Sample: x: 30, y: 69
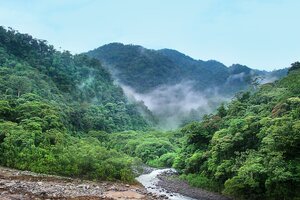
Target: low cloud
x: 86, y: 82
x: 232, y: 79
x: 175, y: 104
x: 268, y: 79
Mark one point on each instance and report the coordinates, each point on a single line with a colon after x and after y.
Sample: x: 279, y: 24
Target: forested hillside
x: 62, y: 114
x: 144, y: 69
x: 250, y: 148
x: 46, y: 98
x: 177, y: 88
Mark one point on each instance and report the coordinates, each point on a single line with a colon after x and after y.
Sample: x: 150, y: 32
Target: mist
x: 268, y: 79
x: 175, y: 105
x: 88, y: 81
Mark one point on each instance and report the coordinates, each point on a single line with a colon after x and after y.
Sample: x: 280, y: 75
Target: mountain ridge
x: 173, y: 67
x: 167, y: 80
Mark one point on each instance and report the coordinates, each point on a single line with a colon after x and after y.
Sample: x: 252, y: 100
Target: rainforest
x: 92, y: 116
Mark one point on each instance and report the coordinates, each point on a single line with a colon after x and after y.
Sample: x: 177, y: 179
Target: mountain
x: 167, y: 80
x: 64, y: 114
x: 197, y: 69
x: 144, y: 69
x: 248, y: 149
x: 137, y: 67
x: 48, y: 97
x: 30, y: 66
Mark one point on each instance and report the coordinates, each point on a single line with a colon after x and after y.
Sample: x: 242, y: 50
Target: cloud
x: 235, y: 77
x: 174, y: 104
x: 86, y: 82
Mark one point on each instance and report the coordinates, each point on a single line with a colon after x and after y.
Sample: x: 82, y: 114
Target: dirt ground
x: 24, y: 185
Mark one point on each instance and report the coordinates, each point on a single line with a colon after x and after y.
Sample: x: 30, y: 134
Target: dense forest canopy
x: 177, y: 88
x: 53, y: 104
x: 250, y: 148
x: 144, y: 69
x: 47, y: 97
x: 80, y: 84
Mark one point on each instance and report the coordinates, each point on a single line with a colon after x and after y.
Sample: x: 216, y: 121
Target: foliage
x: 295, y: 66
x: 62, y: 114
x: 185, y: 88
x: 80, y: 87
x: 145, y: 70
x: 250, y: 148
x: 49, y: 100
x: 154, y: 148
x: 52, y: 151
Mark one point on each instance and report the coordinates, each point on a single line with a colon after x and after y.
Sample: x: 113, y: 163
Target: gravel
x: 24, y: 185
x: 171, y: 182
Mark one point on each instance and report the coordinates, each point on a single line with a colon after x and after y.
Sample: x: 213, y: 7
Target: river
x: 149, y: 181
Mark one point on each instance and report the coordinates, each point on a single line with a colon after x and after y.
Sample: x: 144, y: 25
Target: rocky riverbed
x: 23, y: 185
x: 166, y: 182
x: 169, y: 181
x: 158, y: 184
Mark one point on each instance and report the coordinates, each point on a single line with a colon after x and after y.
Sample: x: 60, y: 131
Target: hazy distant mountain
x: 173, y: 85
x: 144, y: 69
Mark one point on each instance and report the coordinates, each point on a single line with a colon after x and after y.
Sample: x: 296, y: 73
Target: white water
x: 149, y: 181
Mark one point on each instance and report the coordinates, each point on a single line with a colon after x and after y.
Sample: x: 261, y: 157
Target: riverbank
x: 170, y: 182
x: 24, y: 185
x: 158, y: 184
x: 166, y: 182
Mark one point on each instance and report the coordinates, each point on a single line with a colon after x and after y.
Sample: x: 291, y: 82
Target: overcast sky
x: 263, y: 34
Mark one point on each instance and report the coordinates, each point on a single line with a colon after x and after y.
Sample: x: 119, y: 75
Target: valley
x: 176, y: 88
x: 85, y: 125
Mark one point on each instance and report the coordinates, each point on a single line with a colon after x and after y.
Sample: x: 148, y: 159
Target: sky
x: 262, y: 34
